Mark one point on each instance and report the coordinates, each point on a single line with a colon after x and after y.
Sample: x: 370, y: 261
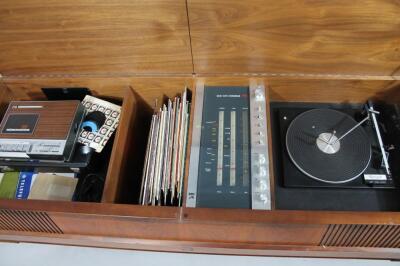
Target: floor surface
x: 25, y: 254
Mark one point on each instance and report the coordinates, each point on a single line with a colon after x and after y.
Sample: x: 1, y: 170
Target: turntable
x: 328, y: 146
x: 335, y: 156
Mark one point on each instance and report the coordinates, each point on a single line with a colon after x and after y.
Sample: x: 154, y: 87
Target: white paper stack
x: 163, y: 171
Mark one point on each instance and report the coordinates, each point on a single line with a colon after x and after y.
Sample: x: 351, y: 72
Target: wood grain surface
x: 152, y: 88
x: 5, y: 97
x: 199, y: 230
x: 149, y: 88
x: 117, y: 169
x: 360, y: 37
x: 309, y: 50
x: 334, y: 91
x: 89, y: 36
x: 295, y: 89
x: 124, y: 173
x: 248, y: 249
x: 54, y: 119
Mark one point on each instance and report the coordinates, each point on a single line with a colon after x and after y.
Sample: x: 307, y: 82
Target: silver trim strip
x: 260, y: 177
x: 28, y: 106
x: 34, y: 147
x: 191, y: 196
x: 14, y: 155
x: 378, y: 133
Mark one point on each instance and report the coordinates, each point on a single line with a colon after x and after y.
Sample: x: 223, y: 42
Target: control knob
x: 262, y: 171
x: 261, y: 158
x: 259, y: 95
x: 262, y: 185
x: 263, y: 197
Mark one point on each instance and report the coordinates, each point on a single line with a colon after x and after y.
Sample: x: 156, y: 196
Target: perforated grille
x: 29, y: 221
x: 356, y: 235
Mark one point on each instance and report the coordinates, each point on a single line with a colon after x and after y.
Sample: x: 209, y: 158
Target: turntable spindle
x: 324, y: 143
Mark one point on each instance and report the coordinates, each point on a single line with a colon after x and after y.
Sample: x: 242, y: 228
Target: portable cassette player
x: 40, y: 129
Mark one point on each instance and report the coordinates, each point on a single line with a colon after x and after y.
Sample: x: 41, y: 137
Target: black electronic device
x: 66, y: 93
x: 40, y: 130
x: 336, y: 156
x: 81, y: 156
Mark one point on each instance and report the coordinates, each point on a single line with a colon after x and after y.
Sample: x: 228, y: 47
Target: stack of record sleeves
x: 164, y: 166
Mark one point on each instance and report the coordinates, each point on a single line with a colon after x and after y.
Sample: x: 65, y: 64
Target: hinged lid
x: 291, y: 37
x: 316, y: 38
x: 87, y: 37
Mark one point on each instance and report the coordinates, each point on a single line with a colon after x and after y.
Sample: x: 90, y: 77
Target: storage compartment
x: 139, y: 97
x: 224, y: 231
x: 124, y: 174
x: 106, y: 177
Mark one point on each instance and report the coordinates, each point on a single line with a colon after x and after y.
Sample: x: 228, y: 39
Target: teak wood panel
x: 151, y: 88
x: 126, y: 163
x: 206, y: 215
x: 334, y: 91
x: 148, y: 88
x: 317, y: 37
x: 206, y: 248
x: 172, y: 229
x: 124, y: 139
x: 92, y: 37
x: 5, y: 97
x: 296, y: 89
x: 287, y: 233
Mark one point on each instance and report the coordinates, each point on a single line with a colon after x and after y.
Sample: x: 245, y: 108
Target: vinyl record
x: 313, y: 146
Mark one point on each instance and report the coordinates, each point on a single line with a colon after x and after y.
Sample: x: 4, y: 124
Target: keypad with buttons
x: 97, y: 140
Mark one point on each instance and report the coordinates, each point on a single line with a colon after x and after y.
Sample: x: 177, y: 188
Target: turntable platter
x: 314, y: 146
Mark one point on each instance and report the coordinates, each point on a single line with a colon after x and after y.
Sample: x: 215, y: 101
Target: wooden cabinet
x: 139, y: 51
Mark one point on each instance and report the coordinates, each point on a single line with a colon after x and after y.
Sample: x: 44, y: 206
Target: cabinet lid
x: 311, y: 38
x: 93, y: 37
